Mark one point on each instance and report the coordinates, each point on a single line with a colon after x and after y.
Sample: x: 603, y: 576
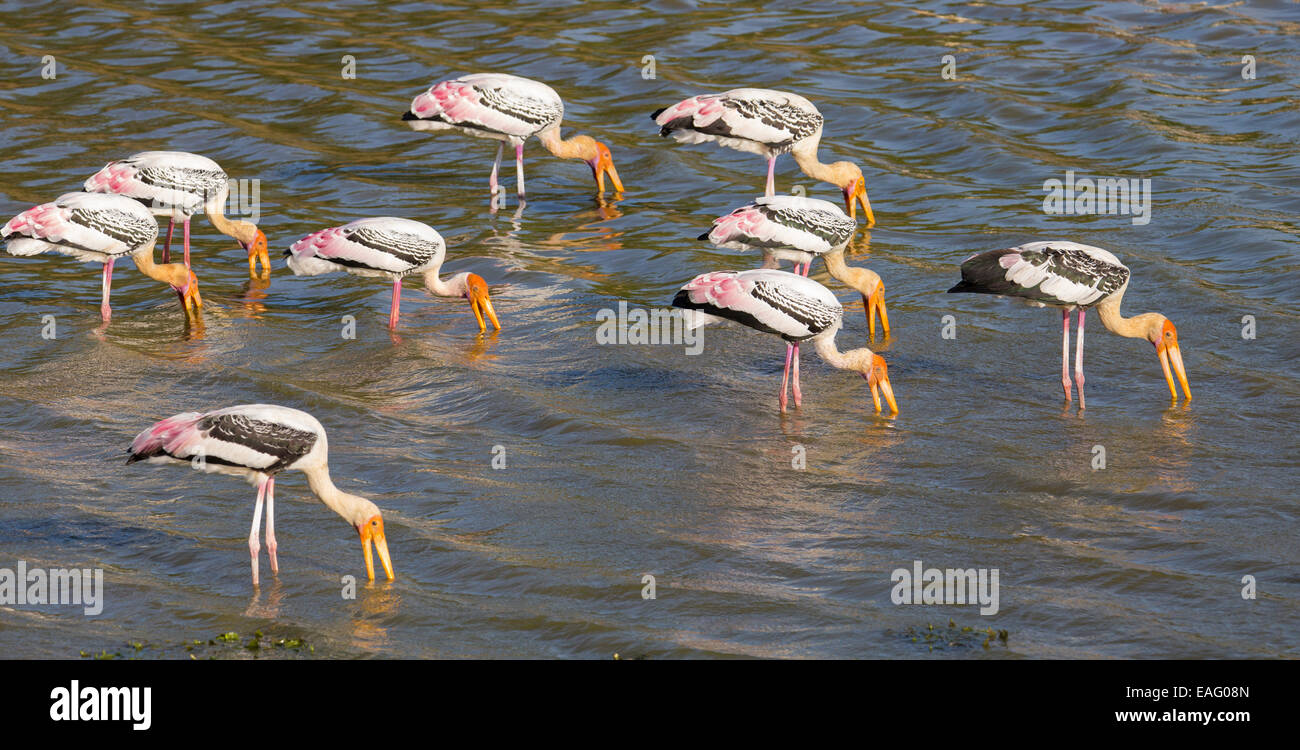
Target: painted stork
x: 177, y: 183
x: 256, y: 442
x: 508, y: 109
x: 100, y: 229
x: 794, y: 307
x: 1072, y: 276
x: 768, y: 123
x: 391, y: 248
x: 797, y: 229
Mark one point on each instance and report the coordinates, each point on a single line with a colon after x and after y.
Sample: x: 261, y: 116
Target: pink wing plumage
x: 47, y: 221
x: 741, y: 226
x: 173, y: 435
x: 703, y: 111
x: 724, y: 289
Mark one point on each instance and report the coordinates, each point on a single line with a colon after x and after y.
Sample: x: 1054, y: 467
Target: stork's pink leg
x: 253, y: 546
x: 167, y: 246
x: 104, y: 309
x: 807, y: 267
x: 798, y: 397
x: 1078, y: 359
x: 187, y: 241
x: 270, y: 525
x: 771, y: 176
x: 519, y: 168
x: 496, y: 167
x: 1065, y: 353
x: 785, y: 378
x: 395, y: 310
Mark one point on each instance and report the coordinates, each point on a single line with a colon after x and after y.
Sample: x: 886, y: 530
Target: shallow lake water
x: 623, y: 461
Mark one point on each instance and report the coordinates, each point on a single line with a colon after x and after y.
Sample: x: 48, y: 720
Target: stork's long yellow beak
x: 858, y: 194
x: 481, y: 304
x: 878, y: 378
x: 373, y: 532
x: 191, y: 300
x: 875, y: 305
x: 1171, y: 355
x: 605, y: 163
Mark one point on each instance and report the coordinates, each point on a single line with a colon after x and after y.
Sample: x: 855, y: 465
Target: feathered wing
x: 1057, y: 274
x: 86, y: 226
x: 488, y: 104
x: 381, y: 246
x: 258, y: 437
x: 771, y: 119
x: 786, y: 304
x: 162, y: 180
x: 784, y: 222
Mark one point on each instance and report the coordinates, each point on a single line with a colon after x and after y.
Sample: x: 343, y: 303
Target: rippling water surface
x: 630, y: 460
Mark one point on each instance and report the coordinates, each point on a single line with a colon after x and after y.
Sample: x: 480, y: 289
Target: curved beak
x: 855, y: 195
x: 875, y: 305
x: 879, y: 379
x: 257, y: 252
x: 191, y: 300
x: 376, y: 536
x: 1171, y: 355
x: 603, y: 164
x: 482, y: 305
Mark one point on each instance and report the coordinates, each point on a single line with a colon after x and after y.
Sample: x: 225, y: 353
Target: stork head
x: 371, y: 530
x: 1164, y: 336
x: 476, y: 291
x: 186, y: 286
x: 873, y: 369
x: 254, y: 243
x: 598, y: 157
x: 849, y: 179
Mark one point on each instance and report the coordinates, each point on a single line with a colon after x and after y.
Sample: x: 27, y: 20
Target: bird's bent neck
x: 242, y: 231
x: 1136, y: 327
x: 854, y: 359
x: 175, y: 274
x: 456, y: 286
x: 863, y: 279
x: 578, y: 147
x: 353, y: 509
x: 805, y: 155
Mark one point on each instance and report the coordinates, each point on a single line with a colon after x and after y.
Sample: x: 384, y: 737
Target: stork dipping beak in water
x: 1071, y: 276
x: 390, y: 247
x: 794, y: 307
x: 257, y: 442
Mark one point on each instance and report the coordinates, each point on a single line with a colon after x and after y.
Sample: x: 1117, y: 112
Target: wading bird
x: 390, y: 248
x: 177, y: 183
x: 789, y: 227
x: 767, y: 123
x: 508, y: 109
x: 256, y: 442
x: 100, y: 229
x: 1072, y: 276
x: 791, y: 306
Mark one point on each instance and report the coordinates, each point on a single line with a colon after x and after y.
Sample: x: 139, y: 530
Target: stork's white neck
x: 854, y: 359
x: 242, y: 231
x: 1144, y: 326
x: 863, y: 279
x: 456, y: 286
x: 354, y: 509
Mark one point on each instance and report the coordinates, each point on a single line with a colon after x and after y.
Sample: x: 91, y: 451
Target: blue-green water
x: 623, y: 461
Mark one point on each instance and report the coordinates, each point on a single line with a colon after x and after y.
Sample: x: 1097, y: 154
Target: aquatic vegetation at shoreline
x: 228, y: 645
